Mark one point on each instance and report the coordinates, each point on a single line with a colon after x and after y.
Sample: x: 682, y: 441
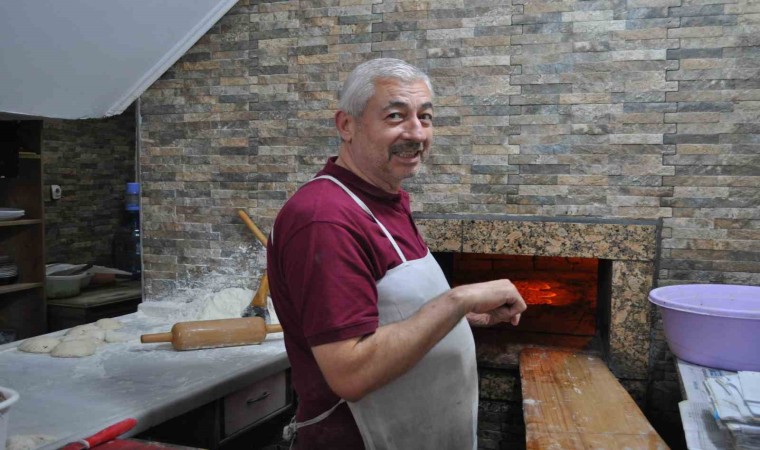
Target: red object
x: 131, y: 444
x: 102, y: 436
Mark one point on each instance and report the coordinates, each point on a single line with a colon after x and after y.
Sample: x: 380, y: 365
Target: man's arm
x: 355, y: 367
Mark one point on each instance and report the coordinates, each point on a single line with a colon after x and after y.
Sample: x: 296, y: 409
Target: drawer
x: 249, y: 405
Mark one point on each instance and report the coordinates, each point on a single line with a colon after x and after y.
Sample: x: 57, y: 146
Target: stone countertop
x: 67, y: 399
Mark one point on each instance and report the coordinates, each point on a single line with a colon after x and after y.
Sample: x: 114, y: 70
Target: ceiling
x: 79, y: 59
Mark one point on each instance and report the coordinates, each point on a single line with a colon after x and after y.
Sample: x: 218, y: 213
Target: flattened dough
x: 109, y: 324
x: 39, y: 344
x: 75, y: 348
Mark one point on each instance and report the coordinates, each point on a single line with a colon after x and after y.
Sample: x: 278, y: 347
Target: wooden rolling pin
x: 214, y: 333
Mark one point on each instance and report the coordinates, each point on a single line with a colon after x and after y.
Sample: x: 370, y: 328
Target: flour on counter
x: 226, y: 304
x: 113, y: 336
x: 28, y: 442
x: 214, y: 300
x: 211, y: 296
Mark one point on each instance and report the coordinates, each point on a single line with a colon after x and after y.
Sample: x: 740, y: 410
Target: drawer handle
x: 261, y: 397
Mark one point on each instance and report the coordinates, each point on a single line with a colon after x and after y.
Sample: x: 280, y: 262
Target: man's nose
x: 414, y: 131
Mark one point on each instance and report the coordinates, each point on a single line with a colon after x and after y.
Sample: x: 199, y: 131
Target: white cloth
x: 435, y: 404
x: 750, y: 387
x: 727, y: 395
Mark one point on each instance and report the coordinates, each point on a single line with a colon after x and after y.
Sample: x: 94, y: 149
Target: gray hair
x: 359, y: 87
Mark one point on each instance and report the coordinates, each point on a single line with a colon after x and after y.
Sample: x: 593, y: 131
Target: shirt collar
x: 355, y: 182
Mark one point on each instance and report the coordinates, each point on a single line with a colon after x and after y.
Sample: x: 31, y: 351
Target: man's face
x: 389, y: 142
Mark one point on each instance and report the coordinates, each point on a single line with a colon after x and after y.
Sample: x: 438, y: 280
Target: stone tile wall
x: 92, y: 160
x: 606, y: 108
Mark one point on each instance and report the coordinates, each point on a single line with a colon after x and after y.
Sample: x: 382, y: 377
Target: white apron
x: 435, y: 404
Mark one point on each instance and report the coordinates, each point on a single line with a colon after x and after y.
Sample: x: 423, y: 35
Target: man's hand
x: 492, y: 302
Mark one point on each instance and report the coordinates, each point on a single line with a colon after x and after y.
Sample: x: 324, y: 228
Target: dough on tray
x: 39, y: 344
x: 75, y: 348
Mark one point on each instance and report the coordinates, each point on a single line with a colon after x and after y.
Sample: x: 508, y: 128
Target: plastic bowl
x: 9, y: 397
x: 62, y: 286
x: 712, y: 325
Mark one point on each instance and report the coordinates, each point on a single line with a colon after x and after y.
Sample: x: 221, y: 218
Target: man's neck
x: 346, y: 164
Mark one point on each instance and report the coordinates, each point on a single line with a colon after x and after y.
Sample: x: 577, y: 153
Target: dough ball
x: 95, y: 333
x: 115, y: 336
x: 82, y: 329
x: 40, y: 344
x: 75, y: 348
x: 109, y: 324
x: 85, y: 337
x: 28, y: 441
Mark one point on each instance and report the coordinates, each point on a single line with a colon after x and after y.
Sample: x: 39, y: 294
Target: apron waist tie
x: 289, y: 431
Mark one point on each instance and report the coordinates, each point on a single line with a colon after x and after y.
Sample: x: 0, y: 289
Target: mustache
x: 403, y: 147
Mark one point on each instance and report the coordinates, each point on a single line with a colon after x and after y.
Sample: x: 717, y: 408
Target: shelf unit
x: 22, y: 303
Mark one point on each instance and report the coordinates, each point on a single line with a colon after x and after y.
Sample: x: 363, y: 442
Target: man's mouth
x: 407, y: 149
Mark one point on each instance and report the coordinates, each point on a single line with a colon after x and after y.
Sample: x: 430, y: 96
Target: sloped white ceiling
x: 77, y: 59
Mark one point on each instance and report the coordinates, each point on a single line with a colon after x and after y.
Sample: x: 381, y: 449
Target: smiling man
x: 380, y: 346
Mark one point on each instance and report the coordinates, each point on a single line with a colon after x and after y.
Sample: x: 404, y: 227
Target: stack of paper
x: 736, y: 401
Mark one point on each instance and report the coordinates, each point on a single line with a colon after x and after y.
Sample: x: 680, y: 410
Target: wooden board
x: 572, y: 401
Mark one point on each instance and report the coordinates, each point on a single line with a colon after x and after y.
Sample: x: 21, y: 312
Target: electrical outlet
x: 55, y: 192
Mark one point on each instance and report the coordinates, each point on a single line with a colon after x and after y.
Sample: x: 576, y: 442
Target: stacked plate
x: 8, y: 270
x: 11, y: 213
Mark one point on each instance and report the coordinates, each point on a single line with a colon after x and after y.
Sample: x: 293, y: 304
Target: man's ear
x: 345, y: 125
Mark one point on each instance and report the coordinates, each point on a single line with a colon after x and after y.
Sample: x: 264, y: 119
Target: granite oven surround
x: 627, y: 248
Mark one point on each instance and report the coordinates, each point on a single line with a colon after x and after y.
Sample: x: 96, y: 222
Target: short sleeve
x: 331, y: 283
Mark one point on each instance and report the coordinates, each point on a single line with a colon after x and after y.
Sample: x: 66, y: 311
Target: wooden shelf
x: 29, y: 155
x: 18, y: 287
x: 22, y: 304
x: 13, y: 223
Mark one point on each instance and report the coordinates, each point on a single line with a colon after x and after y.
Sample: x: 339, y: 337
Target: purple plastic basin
x: 713, y: 325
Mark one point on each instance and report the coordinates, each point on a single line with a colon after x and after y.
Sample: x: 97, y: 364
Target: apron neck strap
x: 366, y: 209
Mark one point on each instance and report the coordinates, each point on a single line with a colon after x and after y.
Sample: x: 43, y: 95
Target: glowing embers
x: 547, y: 292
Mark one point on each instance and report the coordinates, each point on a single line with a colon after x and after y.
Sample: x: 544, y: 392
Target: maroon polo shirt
x: 324, y: 258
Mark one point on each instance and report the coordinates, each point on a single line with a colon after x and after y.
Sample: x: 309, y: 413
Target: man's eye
x: 428, y: 117
x: 394, y: 116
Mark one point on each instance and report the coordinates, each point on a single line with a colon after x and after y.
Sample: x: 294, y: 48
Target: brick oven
x: 586, y: 283
x: 562, y: 293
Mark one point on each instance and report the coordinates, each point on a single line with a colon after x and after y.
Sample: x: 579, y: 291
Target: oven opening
x: 567, y: 297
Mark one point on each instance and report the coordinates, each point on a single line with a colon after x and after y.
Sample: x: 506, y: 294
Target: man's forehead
x: 399, y: 103
x: 396, y: 93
